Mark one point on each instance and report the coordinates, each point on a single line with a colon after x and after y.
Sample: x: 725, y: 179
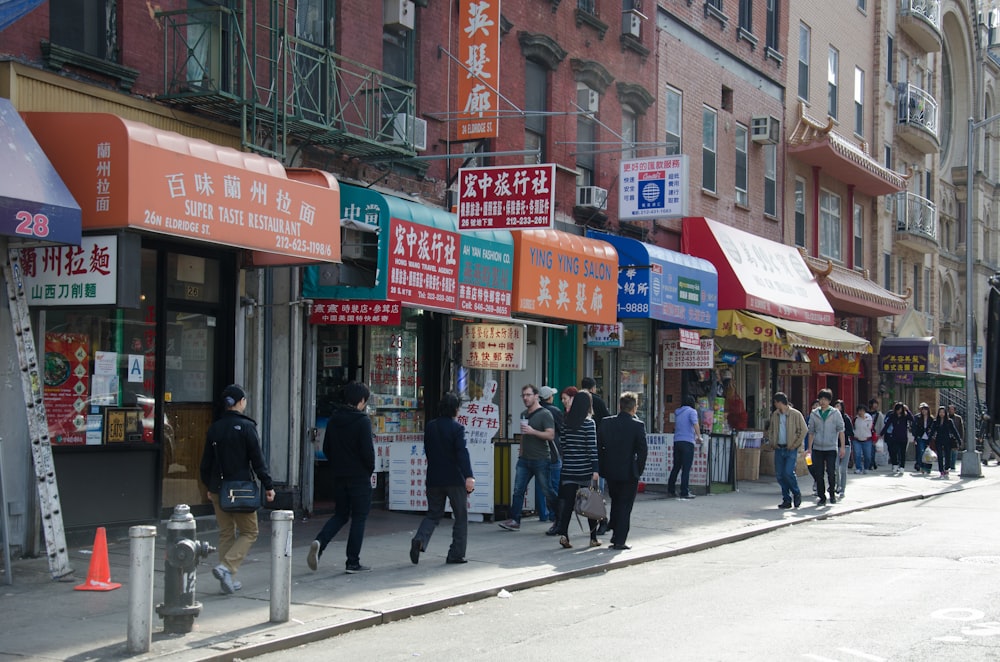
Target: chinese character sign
x: 653, y: 187
x: 494, y: 346
x: 423, y: 264
x: 677, y: 357
x: 605, y: 335
x: 72, y: 275
x: 355, y: 311
x: 485, y: 276
x: 481, y: 420
x: 506, y: 197
x: 479, y: 69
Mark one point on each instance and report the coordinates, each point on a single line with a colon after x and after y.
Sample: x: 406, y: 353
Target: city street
x: 913, y: 581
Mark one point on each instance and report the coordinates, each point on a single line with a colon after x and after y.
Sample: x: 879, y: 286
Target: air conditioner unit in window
x: 631, y: 24
x: 398, y: 14
x: 592, y: 196
x: 765, y: 129
x: 588, y: 99
x: 409, y: 130
x: 357, y: 245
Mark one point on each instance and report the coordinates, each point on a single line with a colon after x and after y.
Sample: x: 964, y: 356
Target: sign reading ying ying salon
x: 479, y: 69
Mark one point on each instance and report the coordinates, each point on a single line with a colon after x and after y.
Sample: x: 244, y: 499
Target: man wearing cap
x: 545, y: 397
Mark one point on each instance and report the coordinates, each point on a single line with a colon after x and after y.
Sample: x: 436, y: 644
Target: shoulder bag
x: 238, y: 496
x: 590, y: 503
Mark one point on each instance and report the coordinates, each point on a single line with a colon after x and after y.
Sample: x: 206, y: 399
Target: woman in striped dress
x: 578, y: 443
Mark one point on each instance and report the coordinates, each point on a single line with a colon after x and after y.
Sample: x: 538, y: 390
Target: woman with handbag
x: 944, y: 436
x: 578, y: 443
x: 232, y: 456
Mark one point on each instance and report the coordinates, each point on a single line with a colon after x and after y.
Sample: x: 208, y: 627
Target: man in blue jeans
x: 686, y: 433
x: 786, y: 434
x: 537, y: 429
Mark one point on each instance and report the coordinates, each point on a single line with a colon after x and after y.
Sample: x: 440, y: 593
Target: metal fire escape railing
x: 244, y: 66
x: 916, y: 215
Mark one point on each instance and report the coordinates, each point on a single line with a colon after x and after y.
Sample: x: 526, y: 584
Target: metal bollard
x: 142, y: 551
x: 281, y: 564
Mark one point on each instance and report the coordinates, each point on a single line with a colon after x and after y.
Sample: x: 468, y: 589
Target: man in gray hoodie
x: 826, y: 436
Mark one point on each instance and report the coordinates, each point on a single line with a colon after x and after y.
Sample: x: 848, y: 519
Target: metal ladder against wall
x: 38, y: 427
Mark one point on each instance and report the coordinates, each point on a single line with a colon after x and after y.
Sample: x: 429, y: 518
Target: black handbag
x: 238, y: 496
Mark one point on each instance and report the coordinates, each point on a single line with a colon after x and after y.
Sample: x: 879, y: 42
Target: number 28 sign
x: 31, y: 225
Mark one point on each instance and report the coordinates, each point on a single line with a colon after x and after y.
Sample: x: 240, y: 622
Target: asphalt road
x: 915, y: 581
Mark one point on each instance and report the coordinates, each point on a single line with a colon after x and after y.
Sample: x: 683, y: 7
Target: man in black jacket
x: 601, y: 412
x: 621, y: 450
x: 449, y: 476
x: 348, y: 447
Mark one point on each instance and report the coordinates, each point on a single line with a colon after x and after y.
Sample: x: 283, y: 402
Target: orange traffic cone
x: 99, y: 572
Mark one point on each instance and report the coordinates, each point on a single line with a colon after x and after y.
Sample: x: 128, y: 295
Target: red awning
x: 757, y: 274
x: 852, y: 292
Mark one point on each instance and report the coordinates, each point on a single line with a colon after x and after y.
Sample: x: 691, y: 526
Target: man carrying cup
x: 537, y: 429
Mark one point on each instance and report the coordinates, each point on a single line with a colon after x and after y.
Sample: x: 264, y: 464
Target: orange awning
x: 563, y: 276
x: 128, y: 174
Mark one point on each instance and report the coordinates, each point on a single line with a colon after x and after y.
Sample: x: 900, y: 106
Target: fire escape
x: 242, y: 64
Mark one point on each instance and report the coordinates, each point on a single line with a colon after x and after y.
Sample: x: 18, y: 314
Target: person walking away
x: 863, y: 446
x: 348, y: 446
x: 826, y: 431
x: 944, y: 436
x: 786, y: 434
x: 449, y: 476
x: 537, y: 430
x: 893, y: 431
x: 808, y: 446
x: 545, y: 397
x: 600, y: 407
x: 921, y: 428
x: 878, y: 420
x: 686, y: 432
x: 621, y: 453
x: 959, y: 422
x: 844, y: 460
x: 579, y: 451
x: 232, y: 449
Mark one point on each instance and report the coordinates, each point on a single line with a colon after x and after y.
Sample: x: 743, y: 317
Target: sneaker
x: 415, y: 551
x: 833, y: 498
x: 225, y: 578
x: 355, y: 568
x: 821, y: 502
x: 797, y: 500
x: 237, y: 585
x: 553, y: 531
x: 785, y: 505
x: 594, y: 542
x: 686, y: 496
x: 312, y: 560
x: 510, y: 525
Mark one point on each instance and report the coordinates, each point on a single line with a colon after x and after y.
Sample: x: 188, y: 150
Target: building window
x: 397, y: 60
x: 863, y: 5
x: 630, y: 133
x: 772, y: 24
x: 771, y: 180
x: 859, y: 233
x: 859, y: 101
x: 746, y: 15
x: 830, y: 225
x: 800, y: 212
x: 709, y: 129
x: 804, y: 36
x: 673, y: 105
x: 832, y: 80
x: 586, y: 6
x: 890, y: 59
x: 87, y: 26
x: 742, y: 198
x: 887, y: 269
x: 536, y: 94
x: 586, y: 136
x: 918, y: 302
x: 927, y: 291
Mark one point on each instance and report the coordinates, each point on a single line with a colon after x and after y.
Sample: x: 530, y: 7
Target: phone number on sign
x: 316, y: 248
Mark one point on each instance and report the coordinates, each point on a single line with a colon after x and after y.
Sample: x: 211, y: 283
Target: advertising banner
x: 423, y: 264
x: 494, y: 346
x: 653, y: 188
x: 479, y: 53
x: 507, y: 197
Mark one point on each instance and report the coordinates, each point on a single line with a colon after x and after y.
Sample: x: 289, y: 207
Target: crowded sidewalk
x: 49, y: 620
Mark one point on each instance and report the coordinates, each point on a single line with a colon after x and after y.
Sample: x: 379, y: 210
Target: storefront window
x: 635, y: 366
x: 395, y: 375
x: 470, y: 383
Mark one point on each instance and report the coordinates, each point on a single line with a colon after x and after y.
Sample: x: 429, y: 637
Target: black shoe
x: 415, y: 551
x: 821, y: 502
x: 353, y: 569
x: 553, y: 531
x: 602, y: 528
x: 619, y: 547
x: 797, y: 500
x: 672, y: 495
x: 451, y: 560
x: 833, y: 498
x: 785, y: 505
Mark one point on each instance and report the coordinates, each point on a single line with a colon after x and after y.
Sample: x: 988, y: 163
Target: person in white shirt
x: 863, y: 447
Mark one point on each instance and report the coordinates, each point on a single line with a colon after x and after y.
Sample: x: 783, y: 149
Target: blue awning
x: 656, y: 283
x: 34, y: 202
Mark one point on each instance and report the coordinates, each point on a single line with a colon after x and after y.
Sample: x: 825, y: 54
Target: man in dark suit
x: 621, y: 450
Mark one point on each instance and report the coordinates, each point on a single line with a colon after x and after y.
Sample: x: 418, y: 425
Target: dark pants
x: 944, y: 454
x: 622, y: 493
x: 567, y: 500
x: 353, y: 502
x: 458, y: 497
x: 897, y: 452
x: 825, y: 466
x: 683, y: 459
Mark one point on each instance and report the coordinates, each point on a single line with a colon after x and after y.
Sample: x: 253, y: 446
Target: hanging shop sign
x: 936, y: 381
x: 563, y: 276
x: 506, y: 197
x: 485, y: 276
x: 605, y: 335
x: 682, y: 358
x: 479, y: 72
x: 356, y: 311
x: 909, y: 355
x: 494, y: 346
x: 653, y: 188
x: 797, y: 369
x: 423, y: 264
x: 688, y: 339
x: 953, y: 360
